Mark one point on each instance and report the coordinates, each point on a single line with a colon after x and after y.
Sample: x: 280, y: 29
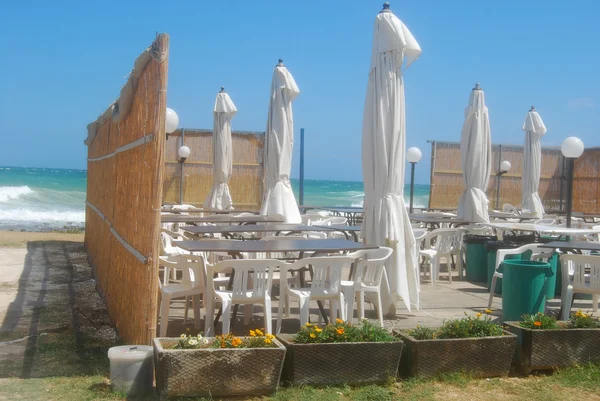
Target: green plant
x: 341, y: 332
x: 257, y: 339
x: 422, y: 333
x: 581, y: 320
x: 469, y: 327
x: 539, y: 321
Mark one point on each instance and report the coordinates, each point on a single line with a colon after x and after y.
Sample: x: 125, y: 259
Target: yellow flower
x: 182, y: 336
x: 318, y: 329
x: 270, y: 336
x: 537, y: 324
x: 312, y: 335
x: 259, y: 333
x: 252, y: 333
x: 307, y: 324
x: 478, y: 314
x: 488, y: 311
x: 268, y: 341
x: 339, y: 320
x: 340, y: 331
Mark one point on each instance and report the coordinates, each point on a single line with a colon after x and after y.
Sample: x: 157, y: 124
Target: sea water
x: 44, y: 199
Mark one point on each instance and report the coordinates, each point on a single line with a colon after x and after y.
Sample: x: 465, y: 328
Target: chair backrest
x: 334, y: 221
x: 446, y: 240
x: 252, y: 278
x: 541, y: 254
x: 370, y: 270
x: 327, y: 274
x: 582, y: 272
x: 547, y: 222
x: 479, y: 230
x: 193, y: 269
x: 166, y: 241
x: 312, y: 218
x: 507, y: 207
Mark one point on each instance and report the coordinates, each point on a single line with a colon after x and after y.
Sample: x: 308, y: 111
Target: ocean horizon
x: 46, y: 199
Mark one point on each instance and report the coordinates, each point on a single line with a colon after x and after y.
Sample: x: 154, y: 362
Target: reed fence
x: 447, y: 183
x: 125, y: 179
x: 190, y: 182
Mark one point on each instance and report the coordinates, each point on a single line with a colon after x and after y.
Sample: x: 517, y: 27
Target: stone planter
x: 548, y: 349
x: 339, y: 363
x: 481, y: 357
x: 215, y: 372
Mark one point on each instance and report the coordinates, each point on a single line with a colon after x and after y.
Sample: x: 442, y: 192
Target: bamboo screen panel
x: 124, y: 188
x: 246, y: 183
x: 447, y: 184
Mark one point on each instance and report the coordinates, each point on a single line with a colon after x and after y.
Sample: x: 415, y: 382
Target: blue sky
x: 64, y: 63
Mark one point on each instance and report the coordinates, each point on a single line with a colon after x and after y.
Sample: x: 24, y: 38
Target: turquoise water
x: 46, y: 199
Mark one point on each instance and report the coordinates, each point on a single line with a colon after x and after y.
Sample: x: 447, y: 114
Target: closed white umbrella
x: 532, y: 163
x: 386, y: 221
x: 219, y: 196
x: 476, y: 159
x: 278, y: 198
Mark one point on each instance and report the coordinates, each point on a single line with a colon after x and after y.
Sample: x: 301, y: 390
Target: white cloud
x: 582, y: 103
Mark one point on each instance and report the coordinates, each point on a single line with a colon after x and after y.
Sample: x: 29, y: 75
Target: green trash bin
x: 476, y: 256
x: 525, y: 288
x: 492, y: 248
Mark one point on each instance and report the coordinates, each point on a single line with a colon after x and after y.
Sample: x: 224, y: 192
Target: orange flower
x: 537, y: 324
x: 236, y: 341
x: 340, y: 331
x: 339, y: 320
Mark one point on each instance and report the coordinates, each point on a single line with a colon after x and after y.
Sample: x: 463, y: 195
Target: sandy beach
x: 18, y: 239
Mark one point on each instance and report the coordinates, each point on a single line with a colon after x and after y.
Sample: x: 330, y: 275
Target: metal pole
x: 412, y: 185
x: 562, y: 184
x: 498, y: 175
x: 571, y: 165
x: 181, y: 178
x: 301, y: 166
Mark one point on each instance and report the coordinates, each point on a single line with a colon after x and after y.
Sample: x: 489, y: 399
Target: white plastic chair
x: 367, y: 279
x: 325, y: 285
x: 447, y: 242
x: 192, y: 284
x: 580, y: 275
x: 251, y: 285
x: 538, y: 253
x: 334, y: 221
x: 508, y: 208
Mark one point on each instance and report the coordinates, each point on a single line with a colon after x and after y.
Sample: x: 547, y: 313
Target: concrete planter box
x: 556, y: 348
x: 339, y: 363
x: 216, y: 372
x: 481, y: 357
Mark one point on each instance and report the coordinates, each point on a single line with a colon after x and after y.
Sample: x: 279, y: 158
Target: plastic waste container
x: 525, y: 288
x: 476, y: 256
x: 132, y: 369
x: 492, y: 248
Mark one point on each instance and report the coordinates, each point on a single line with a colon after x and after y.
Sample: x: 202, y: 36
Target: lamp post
x: 504, y: 168
x: 171, y: 122
x: 184, y: 153
x: 571, y: 148
x: 413, y: 155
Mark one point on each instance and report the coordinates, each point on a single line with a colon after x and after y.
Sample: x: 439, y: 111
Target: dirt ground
x: 20, y: 238
x: 49, y: 308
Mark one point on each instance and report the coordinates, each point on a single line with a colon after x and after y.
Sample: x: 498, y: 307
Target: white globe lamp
x: 572, y: 147
x: 171, y: 121
x: 413, y: 155
x: 184, y: 152
x: 505, y: 166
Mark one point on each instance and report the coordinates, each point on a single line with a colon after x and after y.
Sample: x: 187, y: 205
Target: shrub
x: 467, y: 327
x: 539, y: 321
x: 422, y: 333
x: 343, y: 332
x: 582, y: 320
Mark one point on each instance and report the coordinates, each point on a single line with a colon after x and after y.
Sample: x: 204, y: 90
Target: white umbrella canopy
x: 278, y: 198
x: 386, y: 221
x: 476, y: 159
x: 532, y: 163
x: 224, y: 110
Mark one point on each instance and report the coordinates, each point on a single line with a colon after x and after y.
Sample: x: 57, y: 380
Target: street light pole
x: 413, y: 155
x: 571, y: 148
x: 504, y: 168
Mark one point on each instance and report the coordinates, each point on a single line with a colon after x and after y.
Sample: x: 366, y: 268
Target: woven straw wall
x: 246, y: 181
x: 125, y: 178
x: 447, y: 183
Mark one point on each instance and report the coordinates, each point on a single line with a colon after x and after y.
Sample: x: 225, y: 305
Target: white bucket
x: 132, y: 368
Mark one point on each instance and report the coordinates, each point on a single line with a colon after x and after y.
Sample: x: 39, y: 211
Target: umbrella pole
x: 301, y: 185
